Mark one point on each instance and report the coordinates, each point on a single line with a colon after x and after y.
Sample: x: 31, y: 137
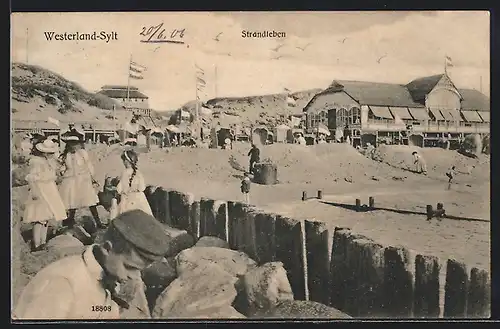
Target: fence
x: 341, y: 269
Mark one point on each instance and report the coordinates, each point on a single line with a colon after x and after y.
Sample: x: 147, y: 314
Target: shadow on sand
x: 398, y: 211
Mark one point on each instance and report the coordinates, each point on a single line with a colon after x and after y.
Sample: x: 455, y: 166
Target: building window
x: 354, y: 116
x: 342, y: 117
x: 323, y: 117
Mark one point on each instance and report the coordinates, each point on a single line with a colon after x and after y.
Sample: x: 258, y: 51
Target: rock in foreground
x: 299, y: 309
x: 206, y: 291
x: 262, y: 288
x: 233, y: 262
x: 211, y: 241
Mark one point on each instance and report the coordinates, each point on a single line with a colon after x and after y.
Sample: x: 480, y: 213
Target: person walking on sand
x: 245, y: 188
x: 85, y: 286
x: 254, y: 155
x: 77, y: 186
x: 44, y: 201
x: 420, y: 165
x: 451, y: 173
x: 131, y: 186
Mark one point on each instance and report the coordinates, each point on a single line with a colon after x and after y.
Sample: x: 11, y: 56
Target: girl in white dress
x: 77, y: 186
x: 44, y: 201
x: 131, y: 186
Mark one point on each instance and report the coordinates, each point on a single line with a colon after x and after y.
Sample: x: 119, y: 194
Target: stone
x: 211, y: 241
x: 134, y: 292
x: 233, y: 262
x: 206, y: 291
x: 181, y: 240
x: 64, y: 241
x: 262, y: 288
x: 299, y: 309
x: 157, y: 277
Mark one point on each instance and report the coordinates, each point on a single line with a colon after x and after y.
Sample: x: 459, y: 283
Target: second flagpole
x: 128, y: 83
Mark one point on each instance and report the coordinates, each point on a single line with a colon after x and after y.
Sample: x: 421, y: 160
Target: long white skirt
x: 78, y: 192
x: 49, y: 206
x: 134, y: 200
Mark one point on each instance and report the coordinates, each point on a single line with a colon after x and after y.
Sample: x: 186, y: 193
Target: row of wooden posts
x: 341, y: 269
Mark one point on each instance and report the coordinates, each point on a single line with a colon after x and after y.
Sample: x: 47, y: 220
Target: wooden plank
x: 265, y: 237
x: 479, y: 299
x: 290, y: 251
x: 426, y: 299
x: 207, y: 218
x: 318, y: 261
x: 194, y: 220
x: 235, y: 215
x: 221, y: 220
x: 338, y: 267
x: 455, y: 298
x: 398, y: 283
x: 367, y: 289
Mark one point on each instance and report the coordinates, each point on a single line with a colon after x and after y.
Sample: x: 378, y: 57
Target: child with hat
x: 131, y: 186
x: 44, y: 201
x: 77, y: 186
x: 245, y: 188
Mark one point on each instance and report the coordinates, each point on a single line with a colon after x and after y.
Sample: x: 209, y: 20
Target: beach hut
x: 281, y: 133
x: 260, y: 135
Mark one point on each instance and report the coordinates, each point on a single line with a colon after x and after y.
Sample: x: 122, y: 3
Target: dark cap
x: 143, y: 232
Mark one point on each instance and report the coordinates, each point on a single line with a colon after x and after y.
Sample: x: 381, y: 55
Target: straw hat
x: 47, y: 146
x: 73, y: 135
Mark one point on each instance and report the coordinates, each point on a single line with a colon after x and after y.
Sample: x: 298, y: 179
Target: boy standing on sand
x: 245, y: 188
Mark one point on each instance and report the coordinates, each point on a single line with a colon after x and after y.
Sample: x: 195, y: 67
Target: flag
x: 200, y: 81
x: 136, y: 70
x: 449, y: 62
x: 53, y: 121
x: 199, y: 69
x: 287, y: 90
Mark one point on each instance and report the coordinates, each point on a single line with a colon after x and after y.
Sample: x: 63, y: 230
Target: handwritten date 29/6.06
x: 158, y: 34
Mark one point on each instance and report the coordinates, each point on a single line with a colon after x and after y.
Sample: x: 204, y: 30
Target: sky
x: 394, y: 47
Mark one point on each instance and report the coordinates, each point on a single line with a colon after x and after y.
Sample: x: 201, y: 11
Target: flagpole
x: 481, y: 83
x: 128, y: 82
x: 215, y: 81
x: 196, y: 100
x: 445, y: 69
x: 27, y: 45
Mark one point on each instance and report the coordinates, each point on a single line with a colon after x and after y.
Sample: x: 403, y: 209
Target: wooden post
x: 429, y: 211
x: 371, y: 202
x: 235, y: 215
x: 207, y: 218
x: 426, y: 300
x: 318, y: 261
x: 338, y: 267
x: 265, y: 237
x: 320, y: 194
x: 304, y: 195
x: 398, y: 282
x: 94, y: 136
x: 221, y: 220
x: 358, y: 204
x: 149, y: 192
x: 455, y: 298
x: 290, y: 251
x: 194, y: 219
x: 479, y: 299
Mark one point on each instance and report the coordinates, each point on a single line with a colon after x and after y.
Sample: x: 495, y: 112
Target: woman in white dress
x: 131, y: 186
x: 44, y: 201
x: 77, y: 186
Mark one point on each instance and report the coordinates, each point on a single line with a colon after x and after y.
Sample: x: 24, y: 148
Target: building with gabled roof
x: 419, y: 112
x: 130, y: 98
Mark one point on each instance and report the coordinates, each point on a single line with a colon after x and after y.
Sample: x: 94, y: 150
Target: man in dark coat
x: 254, y: 155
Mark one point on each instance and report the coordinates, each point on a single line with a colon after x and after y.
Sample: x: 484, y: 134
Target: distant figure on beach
x: 44, y: 201
x: 420, y: 165
x: 131, y: 186
x: 451, y: 174
x: 245, y: 188
x: 254, y: 155
x: 301, y: 140
x: 370, y: 149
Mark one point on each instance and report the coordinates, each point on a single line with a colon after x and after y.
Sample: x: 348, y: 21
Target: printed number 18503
x: 101, y: 308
